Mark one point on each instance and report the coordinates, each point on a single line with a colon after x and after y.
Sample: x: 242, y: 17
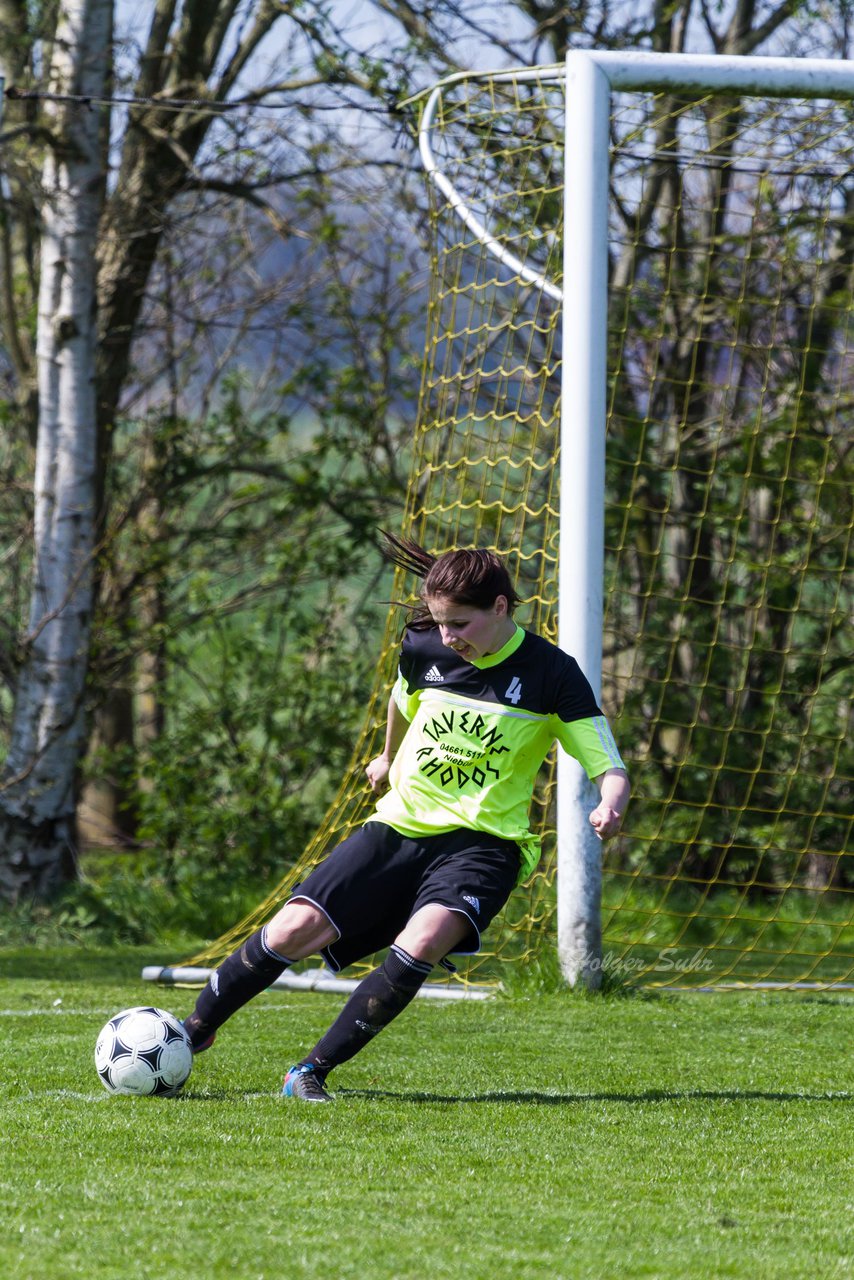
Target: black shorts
x: 372, y: 883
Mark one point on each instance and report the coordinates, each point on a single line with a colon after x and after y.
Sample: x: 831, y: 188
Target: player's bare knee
x: 432, y: 933
x: 299, y: 929
x: 419, y: 946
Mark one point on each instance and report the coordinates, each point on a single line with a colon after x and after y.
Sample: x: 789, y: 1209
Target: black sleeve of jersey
x: 573, y: 696
x: 410, y: 655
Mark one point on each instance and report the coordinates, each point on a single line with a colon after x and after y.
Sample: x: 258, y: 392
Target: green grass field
x: 556, y: 1137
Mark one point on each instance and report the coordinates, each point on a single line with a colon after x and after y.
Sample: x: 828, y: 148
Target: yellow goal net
x: 728, y: 643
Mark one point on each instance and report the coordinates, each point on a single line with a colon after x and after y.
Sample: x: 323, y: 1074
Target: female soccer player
x: 477, y: 704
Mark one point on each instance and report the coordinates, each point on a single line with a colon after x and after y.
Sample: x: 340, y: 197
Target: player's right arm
x: 402, y: 705
x: 396, y: 726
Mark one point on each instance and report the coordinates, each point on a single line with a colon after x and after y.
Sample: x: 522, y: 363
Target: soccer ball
x: 143, y: 1051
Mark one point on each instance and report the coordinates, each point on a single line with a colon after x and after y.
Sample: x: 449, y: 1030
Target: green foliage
x: 249, y: 585
x: 727, y: 569
x: 252, y: 751
x: 261, y: 714
x: 121, y: 899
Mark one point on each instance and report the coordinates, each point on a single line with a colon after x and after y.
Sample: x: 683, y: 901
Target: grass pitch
x: 554, y: 1137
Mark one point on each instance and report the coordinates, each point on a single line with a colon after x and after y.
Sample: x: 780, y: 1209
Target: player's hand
x: 377, y: 772
x: 605, y: 821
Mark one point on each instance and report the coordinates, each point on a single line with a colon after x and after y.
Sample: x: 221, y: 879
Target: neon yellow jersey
x: 479, y: 732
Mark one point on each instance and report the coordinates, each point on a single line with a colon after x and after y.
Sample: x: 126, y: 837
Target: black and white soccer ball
x: 143, y: 1051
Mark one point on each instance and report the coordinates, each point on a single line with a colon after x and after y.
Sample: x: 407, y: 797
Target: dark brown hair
x: 471, y: 576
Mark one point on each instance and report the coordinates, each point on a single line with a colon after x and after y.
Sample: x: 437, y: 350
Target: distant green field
x: 556, y: 1137
x: 672, y: 935
x: 726, y: 936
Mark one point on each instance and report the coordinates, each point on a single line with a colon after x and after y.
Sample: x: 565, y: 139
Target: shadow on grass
x: 223, y: 1094
x: 515, y: 1097
x: 579, y: 1099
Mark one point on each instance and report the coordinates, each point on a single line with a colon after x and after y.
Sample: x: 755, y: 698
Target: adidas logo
x: 434, y: 675
x: 472, y: 901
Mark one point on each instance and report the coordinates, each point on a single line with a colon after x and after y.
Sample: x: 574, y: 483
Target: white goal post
x: 590, y: 80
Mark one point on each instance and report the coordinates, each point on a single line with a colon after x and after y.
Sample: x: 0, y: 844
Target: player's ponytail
x: 407, y: 555
x: 467, y: 577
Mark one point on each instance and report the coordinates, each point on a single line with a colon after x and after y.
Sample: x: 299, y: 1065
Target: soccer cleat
x: 304, y: 1082
x: 205, y: 1044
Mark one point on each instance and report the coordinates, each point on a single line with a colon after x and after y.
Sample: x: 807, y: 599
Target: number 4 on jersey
x: 514, y: 690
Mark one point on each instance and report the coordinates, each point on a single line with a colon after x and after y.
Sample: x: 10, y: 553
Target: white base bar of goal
x: 312, y: 980
x: 774, y: 986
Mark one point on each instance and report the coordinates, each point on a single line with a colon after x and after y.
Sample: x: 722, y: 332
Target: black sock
x: 250, y: 970
x: 376, y: 1001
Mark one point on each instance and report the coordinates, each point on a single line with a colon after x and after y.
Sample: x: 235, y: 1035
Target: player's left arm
x: 584, y: 732
x: 606, y: 819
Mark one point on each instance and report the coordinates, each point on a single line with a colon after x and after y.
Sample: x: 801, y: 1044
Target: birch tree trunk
x: 37, y: 799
